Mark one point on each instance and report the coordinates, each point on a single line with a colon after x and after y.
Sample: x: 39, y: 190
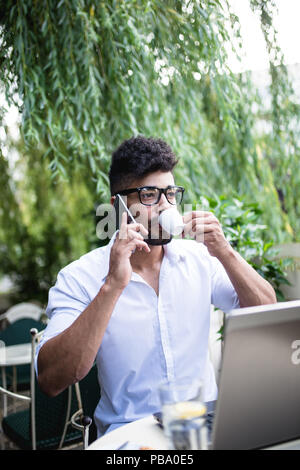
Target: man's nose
x: 163, y: 203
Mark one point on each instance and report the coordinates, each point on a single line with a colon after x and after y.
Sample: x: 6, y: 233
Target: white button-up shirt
x: 149, y: 339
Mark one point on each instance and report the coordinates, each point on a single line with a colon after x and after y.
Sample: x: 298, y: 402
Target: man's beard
x: 161, y: 238
x: 158, y: 241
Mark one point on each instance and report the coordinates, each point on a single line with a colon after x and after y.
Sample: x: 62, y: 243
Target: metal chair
x: 46, y: 423
x: 88, y: 393
x: 21, y: 318
x: 18, y: 377
x: 23, y: 310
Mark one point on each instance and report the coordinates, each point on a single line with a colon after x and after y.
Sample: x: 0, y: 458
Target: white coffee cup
x: 171, y: 221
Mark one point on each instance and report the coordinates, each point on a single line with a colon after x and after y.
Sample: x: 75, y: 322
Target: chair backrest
x: 23, y: 310
x: 19, y: 331
x: 90, y: 393
x: 49, y: 415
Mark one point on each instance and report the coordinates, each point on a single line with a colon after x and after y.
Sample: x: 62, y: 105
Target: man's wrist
x: 108, y: 294
x: 227, y: 255
x: 112, y: 287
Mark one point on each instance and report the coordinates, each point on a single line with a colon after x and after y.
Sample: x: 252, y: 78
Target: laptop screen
x: 259, y: 388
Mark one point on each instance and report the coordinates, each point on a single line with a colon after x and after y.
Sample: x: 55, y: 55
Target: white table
x: 145, y: 432
x: 16, y: 355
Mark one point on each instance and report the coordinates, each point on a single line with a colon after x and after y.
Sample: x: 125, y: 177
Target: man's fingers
x: 131, y: 234
x: 195, y: 214
x: 207, y: 224
x: 139, y: 244
x: 125, y: 227
x: 138, y: 228
x: 199, y: 225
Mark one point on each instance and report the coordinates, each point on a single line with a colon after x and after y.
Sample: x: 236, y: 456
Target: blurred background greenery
x: 85, y: 75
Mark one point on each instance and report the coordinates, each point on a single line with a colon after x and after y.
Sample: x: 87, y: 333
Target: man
x: 141, y: 305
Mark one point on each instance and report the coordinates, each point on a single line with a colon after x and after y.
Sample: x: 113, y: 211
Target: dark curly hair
x: 138, y: 157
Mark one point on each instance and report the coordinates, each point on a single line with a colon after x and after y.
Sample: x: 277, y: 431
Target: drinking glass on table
x: 184, y: 414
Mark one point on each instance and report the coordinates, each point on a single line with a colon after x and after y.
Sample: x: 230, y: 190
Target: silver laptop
x: 259, y: 388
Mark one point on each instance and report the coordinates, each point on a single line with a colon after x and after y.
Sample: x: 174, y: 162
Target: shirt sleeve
x: 67, y: 299
x: 223, y: 294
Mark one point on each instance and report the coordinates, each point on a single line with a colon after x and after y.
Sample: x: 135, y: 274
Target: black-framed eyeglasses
x: 150, y: 195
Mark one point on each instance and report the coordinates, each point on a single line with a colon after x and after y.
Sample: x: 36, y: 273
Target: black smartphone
x: 120, y: 208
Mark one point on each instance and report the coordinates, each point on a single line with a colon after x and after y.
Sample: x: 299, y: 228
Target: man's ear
x: 112, y: 200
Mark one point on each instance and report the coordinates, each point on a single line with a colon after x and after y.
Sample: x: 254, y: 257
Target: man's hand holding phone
x: 129, y: 238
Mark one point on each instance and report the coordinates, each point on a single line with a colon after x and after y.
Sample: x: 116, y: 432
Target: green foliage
x: 43, y: 227
x: 280, y: 147
x: 90, y: 74
x: 85, y: 75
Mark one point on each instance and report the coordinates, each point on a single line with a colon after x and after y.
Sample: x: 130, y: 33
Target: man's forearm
x: 251, y: 288
x: 67, y: 358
